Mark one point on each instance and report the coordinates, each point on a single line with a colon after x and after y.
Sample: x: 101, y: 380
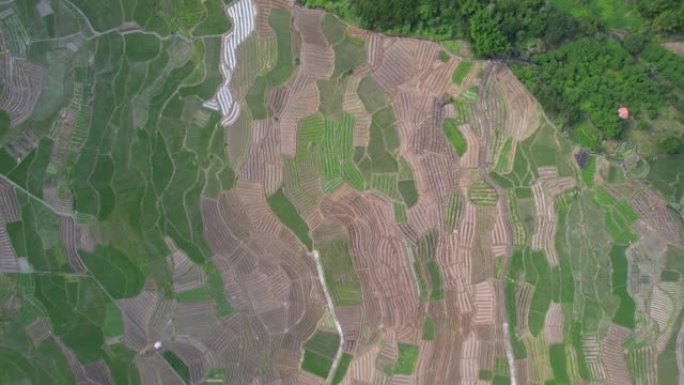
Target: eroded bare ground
x: 270, y: 278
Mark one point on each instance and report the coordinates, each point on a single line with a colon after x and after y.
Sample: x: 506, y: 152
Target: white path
x: 243, y: 13
x: 331, y: 309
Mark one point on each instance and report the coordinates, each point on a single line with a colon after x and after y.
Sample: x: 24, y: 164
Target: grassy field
x: 454, y: 135
x: 316, y: 364
x: 461, y: 72
x: 323, y: 343
x: 178, y: 366
x: 117, y: 274
x: 340, y: 274
x: 287, y: 213
x: 342, y: 368
x: 370, y: 93
x: 280, y: 21
x: 429, y: 330
x: 349, y: 54
x: 406, y: 363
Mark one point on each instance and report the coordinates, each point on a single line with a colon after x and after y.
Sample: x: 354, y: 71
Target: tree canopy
x: 496, y: 28
x: 667, y: 16
x: 593, y: 77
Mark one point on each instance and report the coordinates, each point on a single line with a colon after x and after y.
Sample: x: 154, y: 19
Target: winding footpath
x: 331, y: 309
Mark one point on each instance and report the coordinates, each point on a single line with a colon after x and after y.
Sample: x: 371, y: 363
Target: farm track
x: 485, y: 134
x: 331, y: 309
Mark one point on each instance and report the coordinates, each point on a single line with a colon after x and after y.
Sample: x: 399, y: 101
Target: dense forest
x: 496, y: 28
x: 666, y: 16
x: 593, y: 77
x: 581, y: 71
x: 590, y: 78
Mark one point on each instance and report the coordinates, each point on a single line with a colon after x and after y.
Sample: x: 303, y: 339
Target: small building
x: 623, y: 113
x: 157, y: 345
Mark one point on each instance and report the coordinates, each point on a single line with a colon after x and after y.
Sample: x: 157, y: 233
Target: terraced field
x: 252, y: 192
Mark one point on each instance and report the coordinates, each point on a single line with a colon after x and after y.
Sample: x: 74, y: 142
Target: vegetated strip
x: 461, y: 71
x: 331, y: 309
x: 177, y: 365
x: 288, y: 215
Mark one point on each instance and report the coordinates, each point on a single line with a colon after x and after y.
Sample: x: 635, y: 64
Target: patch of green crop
x: 18, y: 369
x: 215, y: 21
x: 323, y: 343
x: 453, y: 209
x: 666, y: 175
x: 627, y: 212
x: 485, y: 375
x: 669, y: 276
x: 371, y: 94
x: 386, y: 184
x: 331, y: 95
x: 406, y: 363
x: 625, y: 314
x: 461, y: 71
x: 400, y: 212
x: 668, y: 367
x: 454, y: 135
x: 340, y: 275
x: 101, y: 16
x: 354, y: 178
x: 557, y: 358
x: 177, y: 364
x: 342, y: 368
x: 256, y: 98
x: 385, y: 121
x: 429, y: 329
x: 113, y: 323
x: 408, y: 191
x: 141, y: 47
x: 577, y: 343
x: 519, y: 350
x: 482, y: 193
x: 280, y: 20
x: 76, y: 309
x: 604, y: 198
x: 436, y: 281
x: 116, y: 272
x: 349, y: 54
x: 216, y: 289
x: 502, y: 162
x: 334, y: 29
x: 316, y: 364
x: 287, y: 213
x: 588, y: 172
x: 538, y: 273
x: 193, y: 295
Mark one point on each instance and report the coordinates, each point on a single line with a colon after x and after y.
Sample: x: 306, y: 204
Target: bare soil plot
x: 675, y: 46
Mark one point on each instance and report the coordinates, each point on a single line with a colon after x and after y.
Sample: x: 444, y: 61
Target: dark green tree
x: 672, y: 145
x: 488, y: 40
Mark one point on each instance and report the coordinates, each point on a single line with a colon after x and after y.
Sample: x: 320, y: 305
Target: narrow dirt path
x: 485, y: 134
x: 331, y: 309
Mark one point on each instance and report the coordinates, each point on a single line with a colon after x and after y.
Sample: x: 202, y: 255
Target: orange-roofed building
x: 623, y: 112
